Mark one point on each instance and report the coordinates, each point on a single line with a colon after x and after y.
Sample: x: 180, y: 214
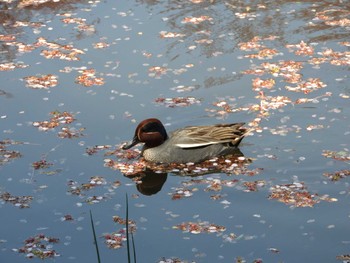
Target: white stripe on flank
x: 193, y: 145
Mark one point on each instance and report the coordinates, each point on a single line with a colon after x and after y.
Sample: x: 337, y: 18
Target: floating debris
x: 88, y: 78
x: 96, y: 149
x: 39, y: 246
x: 67, y: 218
x: 42, y: 164
x: 64, y: 52
x: 157, y: 71
x: 165, y: 34
x: 308, y: 86
x: 196, y: 20
x: 263, y: 54
x: 253, y: 186
x: 296, y: 195
x: 336, y: 176
x: 100, y: 45
x: 301, y: 49
x: 339, y: 156
x: 41, y: 82
x: 199, y: 227
x: 177, y: 101
x: 173, y: 260
x: 19, y: 201
x: 181, y: 193
x: 69, y: 133
x: 57, y: 119
x: 11, y: 66
x: 259, y: 84
x: 6, y: 155
x: 76, y: 189
x: 116, y: 239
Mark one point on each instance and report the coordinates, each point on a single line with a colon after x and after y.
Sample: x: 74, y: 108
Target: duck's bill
x: 131, y: 144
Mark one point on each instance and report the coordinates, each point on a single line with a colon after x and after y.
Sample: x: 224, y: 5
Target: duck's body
x: 189, y: 144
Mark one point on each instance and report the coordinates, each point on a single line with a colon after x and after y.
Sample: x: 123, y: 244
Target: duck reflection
x: 151, y: 182
x: 152, y: 178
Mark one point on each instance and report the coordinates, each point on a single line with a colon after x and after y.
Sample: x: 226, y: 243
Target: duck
x: 191, y: 144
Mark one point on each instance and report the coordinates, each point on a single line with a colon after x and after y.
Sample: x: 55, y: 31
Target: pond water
x: 77, y: 77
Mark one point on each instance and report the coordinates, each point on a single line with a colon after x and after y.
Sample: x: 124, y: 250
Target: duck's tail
x: 244, y: 131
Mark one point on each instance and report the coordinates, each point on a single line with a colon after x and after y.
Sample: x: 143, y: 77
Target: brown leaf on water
x: 259, y: 84
x: 315, y: 99
x: 19, y: 201
x: 11, y: 66
x: 157, y: 71
x: 88, y: 78
x: 263, y: 53
x: 166, y: 34
x: 288, y: 70
x: 41, y: 82
x: 339, y: 156
x: 268, y: 102
x: 181, y: 193
x: 57, y: 119
x: 177, y: 101
x: 41, y: 164
x: 96, y: 149
x: 7, y: 155
x: 7, y: 38
x: 253, y: 186
x: 115, y: 240
x: 196, y: 20
x: 39, y: 246
x: 297, y: 195
x: 301, y: 49
x: 199, y: 227
x: 100, y: 45
x: 251, y: 45
x: 76, y: 189
x: 80, y: 22
x: 308, y: 86
x: 336, y: 176
x: 70, y: 133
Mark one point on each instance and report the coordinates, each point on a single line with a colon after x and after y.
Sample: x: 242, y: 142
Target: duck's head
x: 149, y: 131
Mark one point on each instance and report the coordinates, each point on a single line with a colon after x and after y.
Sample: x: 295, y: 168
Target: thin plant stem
x: 95, y: 239
x: 133, y: 246
x: 127, y: 228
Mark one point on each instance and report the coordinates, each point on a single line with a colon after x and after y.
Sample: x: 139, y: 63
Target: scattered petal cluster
x: 88, y: 78
x: 39, y: 246
x: 41, y: 82
x: 336, y: 176
x: 57, y: 119
x: 116, y: 239
x: 199, y: 227
x: 7, y: 155
x: 18, y: 201
x: 297, y: 195
x: 76, y: 189
x: 177, y: 101
x: 337, y: 155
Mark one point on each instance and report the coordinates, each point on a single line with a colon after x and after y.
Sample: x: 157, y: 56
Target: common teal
x: 189, y: 144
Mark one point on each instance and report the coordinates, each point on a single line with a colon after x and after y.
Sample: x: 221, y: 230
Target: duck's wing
x: 200, y: 136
